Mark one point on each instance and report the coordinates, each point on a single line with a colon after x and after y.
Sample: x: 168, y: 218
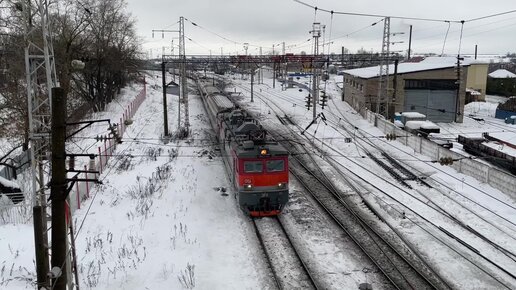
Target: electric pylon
x: 41, y: 78
x: 183, y: 93
x: 382, y: 107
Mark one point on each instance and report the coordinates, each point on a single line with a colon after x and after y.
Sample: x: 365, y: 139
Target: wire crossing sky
x: 224, y: 26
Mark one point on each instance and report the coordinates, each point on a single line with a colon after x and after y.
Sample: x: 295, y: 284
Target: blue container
x: 501, y: 114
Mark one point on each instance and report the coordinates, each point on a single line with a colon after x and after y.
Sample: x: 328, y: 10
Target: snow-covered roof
x: 414, y: 124
x: 473, y: 92
x: 8, y: 183
x: 413, y: 115
x: 502, y: 74
x: 429, y: 125
x: 501, y: 147
x: 429, y: 63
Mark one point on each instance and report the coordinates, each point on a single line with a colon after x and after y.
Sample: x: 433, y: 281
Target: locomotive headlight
x: 282, y: 185
x: 248, y: 186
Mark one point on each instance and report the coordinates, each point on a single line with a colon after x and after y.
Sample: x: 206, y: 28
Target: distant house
x: 501, y: 82
x: 502, y: 74
x: 426, y: 85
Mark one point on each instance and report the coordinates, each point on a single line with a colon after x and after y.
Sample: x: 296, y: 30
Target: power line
x: 358, y: 30
x: 214, y: 33
x: 490, y: 16
x: 378, y: 15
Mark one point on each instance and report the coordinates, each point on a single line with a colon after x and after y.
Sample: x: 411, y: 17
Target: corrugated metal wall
x: 437, y: 105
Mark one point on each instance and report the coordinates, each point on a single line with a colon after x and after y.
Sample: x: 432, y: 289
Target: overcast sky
x: 267, y: 22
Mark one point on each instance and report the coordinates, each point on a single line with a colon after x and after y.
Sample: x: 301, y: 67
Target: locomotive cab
x: 262, y: 178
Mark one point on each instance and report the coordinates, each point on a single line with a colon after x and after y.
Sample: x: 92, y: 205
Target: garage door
x: 437, y: 105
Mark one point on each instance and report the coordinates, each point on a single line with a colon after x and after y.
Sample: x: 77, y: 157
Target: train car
x: 480, y: 147
x: 258, y: 167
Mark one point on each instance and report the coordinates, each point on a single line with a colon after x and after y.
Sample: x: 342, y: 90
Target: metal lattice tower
x: 382, y: 107
x: 41, y: 77
x: 183, y: 93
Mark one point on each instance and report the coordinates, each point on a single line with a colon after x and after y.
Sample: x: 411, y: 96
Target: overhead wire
x: 212, y: 32
x: 358, y: 30
x: 375, y: 15
x: 445, y: 38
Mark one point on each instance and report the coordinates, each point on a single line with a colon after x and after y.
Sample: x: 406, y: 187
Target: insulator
x: 71, y: 163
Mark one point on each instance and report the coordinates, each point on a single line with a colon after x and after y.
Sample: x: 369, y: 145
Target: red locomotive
x: 258, y: 168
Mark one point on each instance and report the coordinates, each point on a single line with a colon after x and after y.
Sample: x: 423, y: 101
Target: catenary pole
x: 58, y: 188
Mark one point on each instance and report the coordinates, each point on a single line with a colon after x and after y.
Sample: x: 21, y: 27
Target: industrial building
x: 425, y: 85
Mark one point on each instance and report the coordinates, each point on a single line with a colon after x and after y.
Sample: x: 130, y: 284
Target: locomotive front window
x: 253, y: 166
x: 275, y: 165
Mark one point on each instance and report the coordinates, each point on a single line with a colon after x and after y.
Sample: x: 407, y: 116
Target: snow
x: 501, y: 147
x: 473, y: 92
x: 413, y: 115
x: 502, y: 74
x: 429, y: 125
x: 8, y: 183
x: 429, y: 63
x: 190, y: 223
x: 414, y: 125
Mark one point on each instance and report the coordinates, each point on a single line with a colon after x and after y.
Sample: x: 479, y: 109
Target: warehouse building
x: 425, y: 85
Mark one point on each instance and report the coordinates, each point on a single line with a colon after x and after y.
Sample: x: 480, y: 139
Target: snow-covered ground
x: 162, y: 219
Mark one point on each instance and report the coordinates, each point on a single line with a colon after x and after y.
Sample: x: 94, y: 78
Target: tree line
x: 101, y: 33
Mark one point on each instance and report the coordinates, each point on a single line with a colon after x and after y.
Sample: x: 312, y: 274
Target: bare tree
x: 100, y: 32
x: 111, y: 51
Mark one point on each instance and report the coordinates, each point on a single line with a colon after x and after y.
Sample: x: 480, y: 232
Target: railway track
x: 402, y: 267
x: 407, y: 174
x: 425, y: 199
x: 287, y: 266
x: 402, y: 174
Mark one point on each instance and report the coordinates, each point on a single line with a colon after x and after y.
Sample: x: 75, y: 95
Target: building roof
x: 473, y: 92
x: 428, y: 63
x: 502, y: 74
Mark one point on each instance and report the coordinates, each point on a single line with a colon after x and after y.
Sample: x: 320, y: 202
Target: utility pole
x: 252, y: 84
x: 260, y: 73
x: 274, y: 74
x: 458, y: 82
x: 395, y: 83
x: 381, y: 106
x: 173, y: 68
x: 184, y: 83
x: 165, y: 110
x: 324, y: 37
x: 283, y: 48
x: 58, y: 189
x: 410, y: 42
x: 164, y: 81
x: 316, y: 33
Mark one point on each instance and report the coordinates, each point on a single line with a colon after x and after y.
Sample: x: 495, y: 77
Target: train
x: 477, y: 146
x: 257, y: 166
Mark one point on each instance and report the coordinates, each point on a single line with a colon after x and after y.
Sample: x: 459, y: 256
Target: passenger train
x: 257, y: 166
